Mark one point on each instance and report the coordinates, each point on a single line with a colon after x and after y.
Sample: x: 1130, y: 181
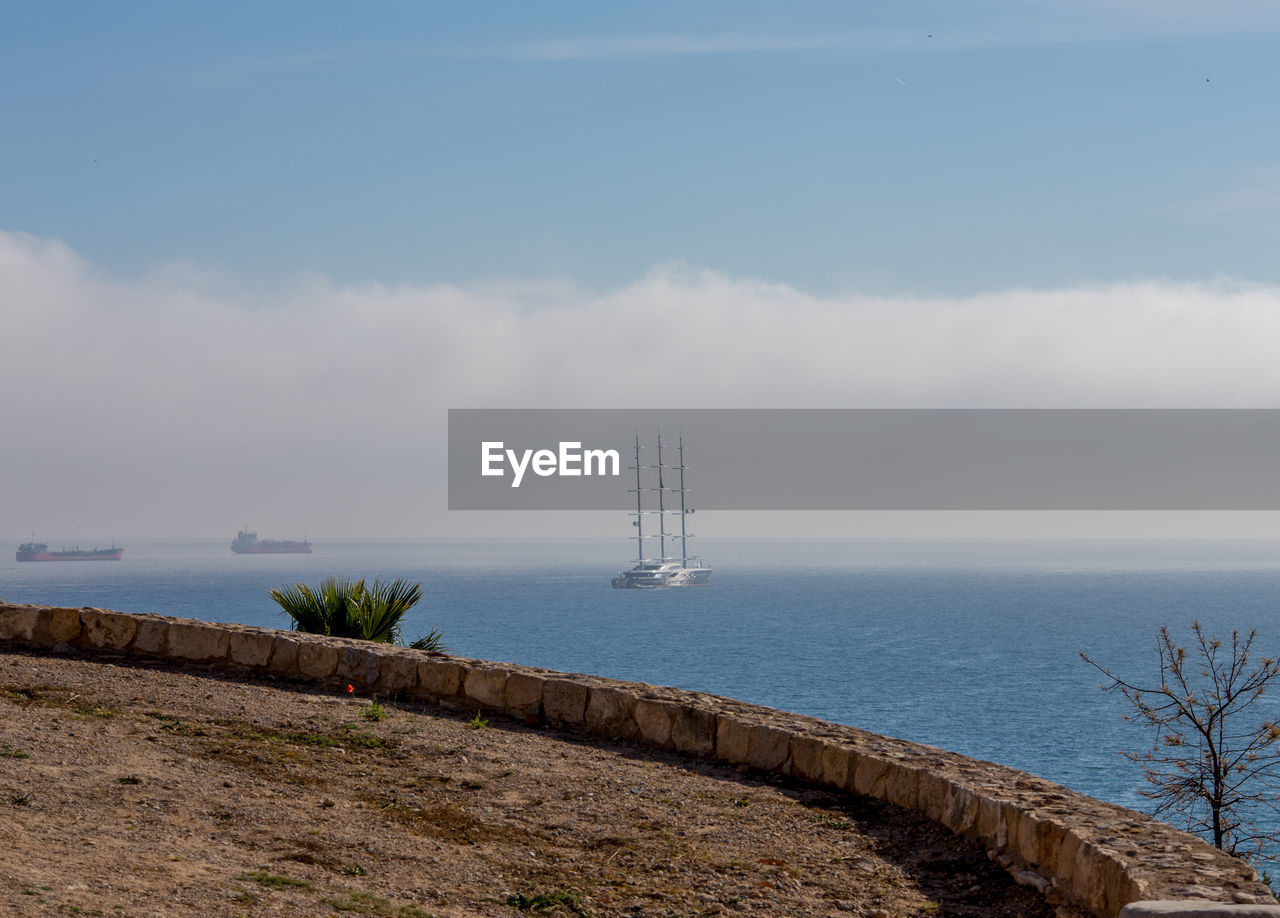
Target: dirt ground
x: 146, y: 789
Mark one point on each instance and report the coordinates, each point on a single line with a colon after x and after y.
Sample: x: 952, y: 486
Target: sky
x: 251, y: 254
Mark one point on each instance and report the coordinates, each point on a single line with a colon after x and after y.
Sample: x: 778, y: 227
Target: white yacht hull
x: 662, y: 577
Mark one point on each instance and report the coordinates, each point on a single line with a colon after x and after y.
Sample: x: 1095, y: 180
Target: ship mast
x: 684, y: 536
x: 639, y: 510
x: 662, y: 513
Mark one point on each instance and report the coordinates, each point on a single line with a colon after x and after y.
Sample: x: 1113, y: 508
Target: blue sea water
x: 969, y: 645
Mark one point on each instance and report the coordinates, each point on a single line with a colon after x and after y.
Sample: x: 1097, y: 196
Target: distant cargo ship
x: 38, y: 551
x: 247, y: 543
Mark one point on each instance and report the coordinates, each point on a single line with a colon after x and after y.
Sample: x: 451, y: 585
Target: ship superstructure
x: 248, y: 543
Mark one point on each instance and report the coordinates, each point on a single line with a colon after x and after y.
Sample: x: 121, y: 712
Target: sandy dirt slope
x: 156, y: 790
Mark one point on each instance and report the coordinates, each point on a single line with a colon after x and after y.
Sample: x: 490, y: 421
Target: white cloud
x: 179, y: 403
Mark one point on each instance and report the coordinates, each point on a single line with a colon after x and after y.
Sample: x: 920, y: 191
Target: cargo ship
x: 247, y: 543
x: 38, y: 551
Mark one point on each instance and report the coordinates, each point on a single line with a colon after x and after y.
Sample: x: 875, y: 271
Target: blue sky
x: 229, y: 230
x: 939, y: 147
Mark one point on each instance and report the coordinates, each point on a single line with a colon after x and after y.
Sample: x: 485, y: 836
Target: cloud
x: 920, y: 28
x: 908, y: 28
x: 597, y: 47
x: 181, y: 396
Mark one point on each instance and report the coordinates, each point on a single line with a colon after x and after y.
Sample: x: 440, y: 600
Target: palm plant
x: 349, y: 608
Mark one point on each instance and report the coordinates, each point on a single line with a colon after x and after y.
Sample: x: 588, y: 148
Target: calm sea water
x: 968, y: 645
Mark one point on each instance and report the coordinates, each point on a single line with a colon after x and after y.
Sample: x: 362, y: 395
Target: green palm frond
x: 432, y: 642
x: 305, y: 608
x: 349, y: 608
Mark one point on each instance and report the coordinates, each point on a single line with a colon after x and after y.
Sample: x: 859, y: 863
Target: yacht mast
x: 639, y: 511
x: 684, y: 537
x: 662, y: 514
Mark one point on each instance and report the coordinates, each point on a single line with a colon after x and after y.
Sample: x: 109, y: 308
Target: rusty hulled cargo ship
x: 38, y: 551
x: 248, y: 543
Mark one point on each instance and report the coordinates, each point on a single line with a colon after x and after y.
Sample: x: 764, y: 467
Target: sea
x: 970, y: 645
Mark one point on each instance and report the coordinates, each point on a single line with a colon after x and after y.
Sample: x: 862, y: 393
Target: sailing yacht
x: 662, y: 571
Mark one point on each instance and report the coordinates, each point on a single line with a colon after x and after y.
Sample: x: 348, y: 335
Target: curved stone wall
x: 1089, y: 856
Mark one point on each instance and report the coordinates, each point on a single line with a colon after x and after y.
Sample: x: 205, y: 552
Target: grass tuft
x: 545, y: 902
x: 273, y: 880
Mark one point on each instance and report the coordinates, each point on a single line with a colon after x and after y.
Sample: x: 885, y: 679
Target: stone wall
x: 1092, y: 857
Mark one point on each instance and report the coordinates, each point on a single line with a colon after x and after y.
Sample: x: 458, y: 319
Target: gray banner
x: 915, y: 459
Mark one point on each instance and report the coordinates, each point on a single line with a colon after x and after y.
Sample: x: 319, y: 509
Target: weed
x: 361, y: 903
x: 477, y: 722
x: 354, y: 870
x: 741, y: 801
x: 128, y: 779
x: 357, y: 737
x: 831, y: 822
x: 367, y: 904
x: 176, y: 724
x: 8, y: 752
x: 273, y: 881
x: 19, y: 799
x: 375, y: 711
x: 545, y: 902
x: 94, y: 710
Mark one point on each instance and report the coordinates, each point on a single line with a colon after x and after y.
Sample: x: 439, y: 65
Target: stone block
x: 838, y: 765
x: 152, y: 638
x: 960, y: 814
x: 398, y: 673
x: 524, y: 693
x: 358, y: 666
x: 54, y: 626
x: 902, y: 784
x: 869, y: 776
x: 250, y: 648
x: 317, y: 660
x: 1183, y: 908
x: 197, y: 641
x: 768, y: 748
x: 654, y: 720
x: 733, y: 740
x: 439, y: 679
x: 1086, y: 876
x: 933, y: 794
x: 693, y: 731
x: 103, y: 630
x: 284, y: 656
x: 806, y: 758
x: 1039, y: 840
x: 565, y: 701
x: 611, y: 712
x: 1067, y: 859
x: 18, y: 623
x: 485, y: 686
x: 991, y: 828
